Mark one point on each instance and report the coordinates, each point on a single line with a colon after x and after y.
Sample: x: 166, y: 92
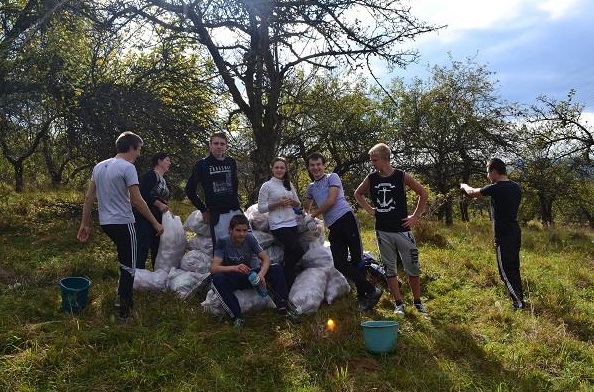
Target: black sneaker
x: 362, y: 303
x: 238, y: 323
x: 420, y: 307
x: 519, y: 306
x: 293, y: 316
x: 370, y: 300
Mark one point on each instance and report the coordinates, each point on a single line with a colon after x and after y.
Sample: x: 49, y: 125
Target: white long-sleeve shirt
x: 271, y: 192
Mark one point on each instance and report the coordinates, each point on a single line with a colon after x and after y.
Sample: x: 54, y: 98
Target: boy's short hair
x: 314, y: 156
x: 380, y: 150
x: 238, y: 220
x: 158, y: 157
x: 219, y: 134
x: 127, y: 140
x: 497, y: 165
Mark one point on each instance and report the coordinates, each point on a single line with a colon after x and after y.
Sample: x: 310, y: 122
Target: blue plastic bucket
x: 75, y: 292
x: 380, y: 336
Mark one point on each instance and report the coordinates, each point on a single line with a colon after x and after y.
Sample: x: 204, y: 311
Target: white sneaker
x: 399, y: 309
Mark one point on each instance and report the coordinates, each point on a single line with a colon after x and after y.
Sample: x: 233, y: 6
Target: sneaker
x: 420, y: 308
x: 293, y: 316
x: 373, y: 298
x: 519, y: 306
x: 361, y: 303
x: 238, y: 323
x: 399, y: 309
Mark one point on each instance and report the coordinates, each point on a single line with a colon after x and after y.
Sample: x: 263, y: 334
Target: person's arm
x: 265, y: 260
x: 191, y: 191
x: 295, y: 202
x: 470, y: 191
x: 328, y: 203
x: 141, y: 206
x: 420, y: 190
x: 217, y: 266
x: 263, y: 200
x: 84, y: 231
x: 360, y: 193
x: 307, y: 204
x: 192, y: 187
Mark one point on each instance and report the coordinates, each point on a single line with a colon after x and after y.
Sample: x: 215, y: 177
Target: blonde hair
x: 381, y: 150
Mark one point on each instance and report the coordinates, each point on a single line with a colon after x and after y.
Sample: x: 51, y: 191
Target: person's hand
x: 262, y: 279
x: 163, y: 207
x: 311, y: 224
x: 242, y: 269
x: 285, y: 201
x: 463, y: 189
x: 410, y: 221
x: 206, y: 217
x: 84, y: 232
x: 159, y: 229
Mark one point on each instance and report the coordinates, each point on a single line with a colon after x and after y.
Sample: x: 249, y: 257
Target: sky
x: 534, y: 47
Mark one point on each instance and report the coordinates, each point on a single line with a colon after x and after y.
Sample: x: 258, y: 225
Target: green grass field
x: 471, y: 342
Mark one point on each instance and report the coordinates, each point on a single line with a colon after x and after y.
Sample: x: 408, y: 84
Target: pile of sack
x: 185, y: 254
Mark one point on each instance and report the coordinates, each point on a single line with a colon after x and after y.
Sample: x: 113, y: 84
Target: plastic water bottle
x: 254, y: 279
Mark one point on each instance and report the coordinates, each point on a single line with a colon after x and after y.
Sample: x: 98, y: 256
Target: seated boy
x: 232, y: 264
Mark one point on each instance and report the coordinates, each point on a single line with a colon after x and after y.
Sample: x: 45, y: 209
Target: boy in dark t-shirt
x: 216, y: 174
x: 505, y: 202
x: 232, y: 263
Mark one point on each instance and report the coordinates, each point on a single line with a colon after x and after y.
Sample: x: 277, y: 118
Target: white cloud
x: 557, y: 9
x: 464, y: 15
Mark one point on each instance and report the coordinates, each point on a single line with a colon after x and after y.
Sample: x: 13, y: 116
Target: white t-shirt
x: 112, y: 177
x: 270, y: 192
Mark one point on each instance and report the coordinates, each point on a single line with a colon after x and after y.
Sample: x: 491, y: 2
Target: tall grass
x: 471, y: 342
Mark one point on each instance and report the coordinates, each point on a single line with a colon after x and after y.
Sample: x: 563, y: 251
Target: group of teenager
x: 130, y: 211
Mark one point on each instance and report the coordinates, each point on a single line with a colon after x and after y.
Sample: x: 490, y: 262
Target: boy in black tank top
x: 386, y: 188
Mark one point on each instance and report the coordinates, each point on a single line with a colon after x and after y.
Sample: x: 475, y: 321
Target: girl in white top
x: 278, y: 197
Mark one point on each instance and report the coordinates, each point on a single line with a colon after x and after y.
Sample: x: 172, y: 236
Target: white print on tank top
x: 385, y: 202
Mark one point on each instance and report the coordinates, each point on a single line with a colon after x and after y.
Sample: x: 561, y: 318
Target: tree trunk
x: 266, y: 146
x: 464, y: 210
x: 449, y: 213
x: 546, y: 210
x: 19, y: 184
x: 589, y: 217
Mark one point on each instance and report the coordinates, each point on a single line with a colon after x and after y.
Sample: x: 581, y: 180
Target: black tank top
x: 389, y: 199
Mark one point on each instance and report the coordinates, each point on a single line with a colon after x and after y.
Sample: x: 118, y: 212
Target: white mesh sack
x: 266, y: 239
x: 150, y: 280
x: 200, y: 242
x: 172, y: 245
x: 319, y: 256
x: 307, y: 292
x: 310, y: 239
x: 196, y: 224
x: 258, y: 220
x: 336, y: 287
x: 196, y: 261
x: 249, y: 301
x: 184, y: 283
